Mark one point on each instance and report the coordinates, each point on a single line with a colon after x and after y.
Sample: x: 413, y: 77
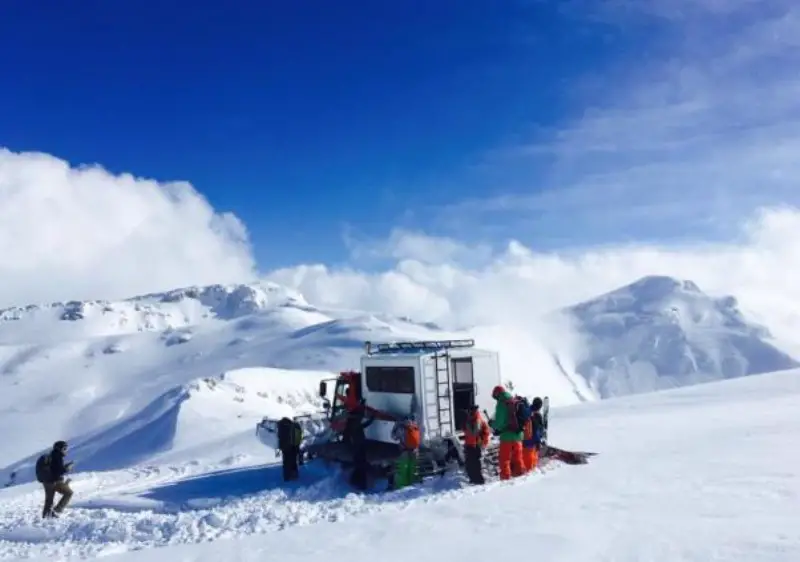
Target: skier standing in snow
x: 50, y: 471
x: 290, y: 435
x: 532, y: 436
x: 476, y: 439
x: 355, y: 436
x: 505, y: 424
x: 406, y: 433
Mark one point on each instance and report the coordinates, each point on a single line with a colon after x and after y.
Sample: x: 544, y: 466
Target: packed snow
x: 159, y: 396
x: 699, y: 473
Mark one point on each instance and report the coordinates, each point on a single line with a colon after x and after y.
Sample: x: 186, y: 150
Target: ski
x: 545, y: 416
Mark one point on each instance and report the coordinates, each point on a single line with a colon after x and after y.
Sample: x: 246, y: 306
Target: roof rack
x: 416, y: 346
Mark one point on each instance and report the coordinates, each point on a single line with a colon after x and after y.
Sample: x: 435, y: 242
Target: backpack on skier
x: 519, y: 412
x: 412, y: 436
x: 297, y: 434
x: 285, y: 433
x: 43, y: 473
x: 407, y: 434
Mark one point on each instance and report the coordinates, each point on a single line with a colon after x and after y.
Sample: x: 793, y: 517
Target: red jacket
x: 476, y: 431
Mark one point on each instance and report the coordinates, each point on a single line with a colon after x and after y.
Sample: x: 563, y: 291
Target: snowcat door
x: 346, y: 395
x: 464, y: 390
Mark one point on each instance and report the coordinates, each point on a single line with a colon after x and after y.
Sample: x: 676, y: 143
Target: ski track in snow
x: 102, y: 523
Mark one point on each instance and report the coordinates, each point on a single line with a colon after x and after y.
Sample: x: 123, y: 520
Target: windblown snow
x: 159, y: 396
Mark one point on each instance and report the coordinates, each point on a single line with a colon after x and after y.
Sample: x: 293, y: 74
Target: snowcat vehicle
x: 435, y: 382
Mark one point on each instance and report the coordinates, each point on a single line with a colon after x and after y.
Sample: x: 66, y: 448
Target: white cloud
x: 518, y: 286
x: 663, y: 173
x: 84, y: 233
x: 509, y: 294
x: 405, y: 244
x: 683, y: 143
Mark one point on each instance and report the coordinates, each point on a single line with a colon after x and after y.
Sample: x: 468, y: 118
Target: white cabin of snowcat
x: 434, y: 381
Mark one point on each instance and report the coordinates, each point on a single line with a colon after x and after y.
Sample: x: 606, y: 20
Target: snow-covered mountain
x: 126, y: 381
x: 110, y: 373
x: 660, y: 332
x: 158, y: 396
x: 171, y: 310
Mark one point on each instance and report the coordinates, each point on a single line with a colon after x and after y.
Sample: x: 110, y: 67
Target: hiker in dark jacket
x: 54, y: 481
x: 290, y: 436
x: 355, y: 436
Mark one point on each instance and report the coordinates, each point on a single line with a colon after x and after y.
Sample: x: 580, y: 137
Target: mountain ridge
x: 660, y: 332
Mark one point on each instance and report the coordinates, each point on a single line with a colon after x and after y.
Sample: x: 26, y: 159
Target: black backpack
x: 523, y: 411
x: 285, y: 431
x: 43, y: 473
x: 519, y: 412
x: 297, y: 434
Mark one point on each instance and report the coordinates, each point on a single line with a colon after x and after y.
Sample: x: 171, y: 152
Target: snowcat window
x: 391, y: 380
x: 338, y: 403
x: 462, y: 370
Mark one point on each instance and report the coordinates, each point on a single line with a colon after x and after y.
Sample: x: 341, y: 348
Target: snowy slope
x: 660, y: 333
x: 176, y: 309
x: 707, y: 472
x: 98, y: 369
x: 121, y: 379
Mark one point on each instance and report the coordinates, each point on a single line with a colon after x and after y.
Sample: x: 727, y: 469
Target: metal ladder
x: 439, y: 412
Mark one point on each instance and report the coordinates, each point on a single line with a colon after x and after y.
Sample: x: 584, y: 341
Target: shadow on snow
x: 316, y: 484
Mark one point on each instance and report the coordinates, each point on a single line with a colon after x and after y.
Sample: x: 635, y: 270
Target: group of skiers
x: 518, y: 423
x: 520, y: 426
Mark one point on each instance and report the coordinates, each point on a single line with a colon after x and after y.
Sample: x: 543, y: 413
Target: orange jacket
x: 476, y: 431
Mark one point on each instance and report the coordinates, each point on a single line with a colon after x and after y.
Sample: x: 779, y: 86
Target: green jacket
x: 500, y: 420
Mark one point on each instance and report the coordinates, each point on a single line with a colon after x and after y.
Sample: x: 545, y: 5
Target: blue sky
x: 551, y: 122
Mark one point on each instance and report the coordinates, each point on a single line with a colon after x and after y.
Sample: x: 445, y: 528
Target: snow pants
x: 510, y: 459
x: 290, y: 469
x: 50, y: 490
x: 405, y: 470
x: 530, y: 458
x: 359, y: 478
x: 472, y: 464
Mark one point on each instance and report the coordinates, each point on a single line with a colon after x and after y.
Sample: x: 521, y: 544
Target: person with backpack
x: 537, y: 433
x: 529, y: 443
x: 476, y: 439
x: 407, y: 433
x: 290, y: 435
x: 50, y: 472
x: 355, y: 435
x: 508, y: 421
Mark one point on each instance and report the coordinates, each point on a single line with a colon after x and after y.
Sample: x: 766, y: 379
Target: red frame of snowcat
x: 378, y: 452
x: 347, y: 402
